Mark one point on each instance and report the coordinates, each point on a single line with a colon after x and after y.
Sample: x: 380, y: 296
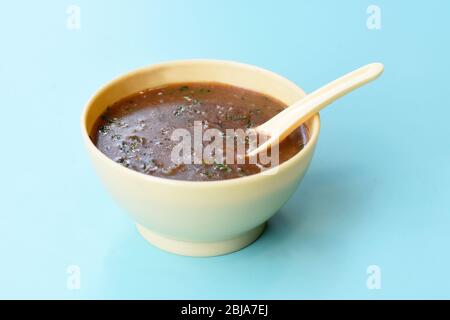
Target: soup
x: 136, y: 131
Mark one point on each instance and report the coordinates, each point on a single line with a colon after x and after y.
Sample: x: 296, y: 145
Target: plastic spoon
x: 280, y: 126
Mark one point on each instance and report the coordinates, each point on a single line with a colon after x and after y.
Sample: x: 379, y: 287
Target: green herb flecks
x: 240, y: 117
x: 137, y: 139
x: 207, y: 174
x: 179, y: 111
x: 236, y: 117
x: 108, y: 119
x: 134, y: 146
x: 104, y: 129
x: 222, y: 167
x: 116, y: 137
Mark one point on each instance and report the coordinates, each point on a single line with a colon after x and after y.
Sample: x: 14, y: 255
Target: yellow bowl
x: 198, y: 218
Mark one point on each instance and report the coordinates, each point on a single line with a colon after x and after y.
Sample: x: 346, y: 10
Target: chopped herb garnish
x: 116, y: 137
x: 108, y: 119
x: 236, y: 117
x: 255, y: 111
x: 179, y: 110
x: 208, y: 174
x: 137, y: 138
x: 104, y: 129
x: 222, y: 167
x: 133, y: 146
x: 184, y: 88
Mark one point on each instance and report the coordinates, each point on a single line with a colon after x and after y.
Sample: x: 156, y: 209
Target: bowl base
x: 201, y: 249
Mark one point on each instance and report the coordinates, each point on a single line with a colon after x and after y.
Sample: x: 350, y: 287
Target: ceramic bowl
x: 198, y: 218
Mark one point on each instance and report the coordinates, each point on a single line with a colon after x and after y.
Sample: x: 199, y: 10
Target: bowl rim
x: 313, y: 130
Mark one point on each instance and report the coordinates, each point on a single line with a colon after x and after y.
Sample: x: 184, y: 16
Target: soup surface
x: 136, y: 131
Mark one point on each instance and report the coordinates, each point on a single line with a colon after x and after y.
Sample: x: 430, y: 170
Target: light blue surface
x: 377, y: 192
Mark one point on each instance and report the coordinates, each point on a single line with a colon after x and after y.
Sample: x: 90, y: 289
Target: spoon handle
x: 280, y: 126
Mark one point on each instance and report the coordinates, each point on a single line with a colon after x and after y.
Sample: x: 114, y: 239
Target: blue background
x: 377, y: 192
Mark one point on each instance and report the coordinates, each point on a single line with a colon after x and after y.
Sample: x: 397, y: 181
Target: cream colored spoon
x: 280, y: 126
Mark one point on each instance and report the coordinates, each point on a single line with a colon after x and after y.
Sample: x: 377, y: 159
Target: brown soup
x: 136, y: 131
